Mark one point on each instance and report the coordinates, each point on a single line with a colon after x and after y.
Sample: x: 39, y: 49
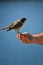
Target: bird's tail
x: 4, y: 28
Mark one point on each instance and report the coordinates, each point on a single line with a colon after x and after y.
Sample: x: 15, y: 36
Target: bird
x: 17, y: 25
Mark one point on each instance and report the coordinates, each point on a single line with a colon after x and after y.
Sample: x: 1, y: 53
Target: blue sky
x: 13, y: 51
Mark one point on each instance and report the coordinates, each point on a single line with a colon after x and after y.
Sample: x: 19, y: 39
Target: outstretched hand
x: 25, y: 37
x: 28, y: 38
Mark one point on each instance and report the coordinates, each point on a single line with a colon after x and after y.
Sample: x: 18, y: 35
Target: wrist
x: 37, y: 39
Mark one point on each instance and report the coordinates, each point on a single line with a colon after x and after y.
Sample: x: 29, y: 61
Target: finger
x: 19, y: 36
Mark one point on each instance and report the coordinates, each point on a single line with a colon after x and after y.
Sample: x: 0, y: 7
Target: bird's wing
x: 10, y: 26
x: 13, y: 24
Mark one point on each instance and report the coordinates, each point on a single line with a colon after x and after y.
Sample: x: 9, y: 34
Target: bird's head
x: 23, y: 19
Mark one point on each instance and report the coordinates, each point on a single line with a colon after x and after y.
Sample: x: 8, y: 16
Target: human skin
x: 29, y: 38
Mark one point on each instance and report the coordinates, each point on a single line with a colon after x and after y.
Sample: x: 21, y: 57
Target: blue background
x: 13, y: 51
